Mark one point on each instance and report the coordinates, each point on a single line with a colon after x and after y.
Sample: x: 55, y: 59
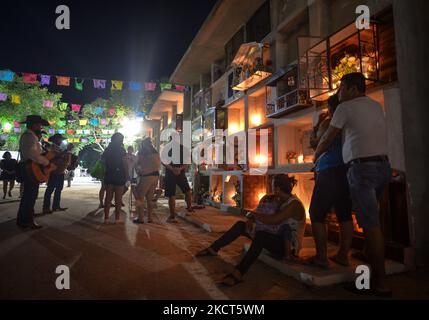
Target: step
x: 312, y: 276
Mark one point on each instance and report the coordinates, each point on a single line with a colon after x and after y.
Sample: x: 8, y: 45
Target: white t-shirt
x: 364, y: 128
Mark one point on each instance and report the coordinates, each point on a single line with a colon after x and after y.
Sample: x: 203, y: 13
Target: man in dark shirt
x: 175, y: 176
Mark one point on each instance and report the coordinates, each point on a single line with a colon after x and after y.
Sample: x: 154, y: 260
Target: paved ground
x: 140, y: 262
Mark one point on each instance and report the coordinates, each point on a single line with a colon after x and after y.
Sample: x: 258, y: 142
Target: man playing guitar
x: 56, y: 178
x: 30, y: 149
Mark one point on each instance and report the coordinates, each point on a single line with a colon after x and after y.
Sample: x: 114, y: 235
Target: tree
x: 32, y: 97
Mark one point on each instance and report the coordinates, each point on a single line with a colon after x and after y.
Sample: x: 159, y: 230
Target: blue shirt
x: 332, y: 158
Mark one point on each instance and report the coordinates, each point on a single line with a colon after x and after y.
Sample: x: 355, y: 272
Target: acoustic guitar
x: 58, y: 162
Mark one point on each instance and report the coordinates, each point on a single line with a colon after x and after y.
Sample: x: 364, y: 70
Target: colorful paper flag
x: 79, y: 131
x: 99, y: 84
x: 16, y: 99
x: 63, y: 106
x: 112, y: 111
x: 179, y: 87
x: 3, y: 96
x: 83, y: 122
x: 78, y: 84
x: 16, y: 124
x: 61, y: 123
x: 104, y: 122
x: 6, y: 75
x: 117, y: 85
x: 98, y: 110
x: 76, y: 107
x: 51, y: 131
x: 94, y: 122
x: 29, y: 78
x: 45, y: 80
x: 48, y: 103
x: 86, y: 131
x: 165, y: 86
x: 69, y: 140
x: 150, y: 86
x: 63, y: 81
x: 76, y: 140
x: 61, y: 131
x: 70, y: 131
x: 135, y: 86
x: 17, y: 130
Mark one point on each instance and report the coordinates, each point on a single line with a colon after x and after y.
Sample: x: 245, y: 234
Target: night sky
x: 113, y: 40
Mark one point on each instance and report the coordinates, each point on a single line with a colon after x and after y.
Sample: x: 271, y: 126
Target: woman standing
x: 8, y: 173
x: 116, y: 175
x: 148, y: 165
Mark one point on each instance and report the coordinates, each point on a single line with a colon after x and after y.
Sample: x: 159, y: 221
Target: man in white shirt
x: 362, y: 123
x: 30, y: 149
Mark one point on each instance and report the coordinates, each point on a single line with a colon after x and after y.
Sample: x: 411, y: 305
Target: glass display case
x: 323, y: 64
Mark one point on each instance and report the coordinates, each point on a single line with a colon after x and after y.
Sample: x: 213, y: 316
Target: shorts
x: 114, y: 180
x: 171, y: 181
x: 331, y: 191
x: 367, y: 183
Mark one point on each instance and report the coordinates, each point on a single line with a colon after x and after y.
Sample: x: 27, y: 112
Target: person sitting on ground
x: 271, y: 231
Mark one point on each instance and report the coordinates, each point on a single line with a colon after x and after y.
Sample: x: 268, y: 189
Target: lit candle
x: 301, y: 158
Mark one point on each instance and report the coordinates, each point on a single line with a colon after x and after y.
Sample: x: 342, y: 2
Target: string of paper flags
x: 65, y: 81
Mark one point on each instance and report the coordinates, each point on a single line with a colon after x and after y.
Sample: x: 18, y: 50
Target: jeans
x: 55, y: 183
x: 262, y: 240
x: 28, y: 201
x: 367, y: 182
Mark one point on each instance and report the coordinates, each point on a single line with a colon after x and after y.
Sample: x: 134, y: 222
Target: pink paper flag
x: 29, y: 78
x: 111, y: 111
x: 75, y: 107
x: 180, y: 88
x: 150, y: 86
x: 48, y: 103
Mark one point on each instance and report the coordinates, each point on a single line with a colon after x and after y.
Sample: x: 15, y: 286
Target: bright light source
x: 7, y: 126
x: 256, y: 119
x: 301, y: 158
x: 261, y: 195
x: 227, y: 178
x: 233, y: 128
x: 261, y: 159
x: 131, y: 127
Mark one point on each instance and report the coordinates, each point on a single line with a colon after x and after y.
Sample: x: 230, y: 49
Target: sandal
x: 225, y: 281
x: 206, y: 253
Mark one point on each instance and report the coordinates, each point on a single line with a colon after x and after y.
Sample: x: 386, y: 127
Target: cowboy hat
x: 33, y: 119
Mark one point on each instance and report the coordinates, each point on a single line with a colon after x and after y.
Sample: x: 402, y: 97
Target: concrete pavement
x: 152, y: 261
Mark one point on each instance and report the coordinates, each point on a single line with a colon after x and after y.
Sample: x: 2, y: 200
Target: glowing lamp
x: 233, y: 128
x: 301, y: 158
x: 261, y: 195
x: 256, y: 119
x: 261, y: 159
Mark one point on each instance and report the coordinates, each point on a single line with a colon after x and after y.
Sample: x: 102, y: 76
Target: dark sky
x: 113, y: 40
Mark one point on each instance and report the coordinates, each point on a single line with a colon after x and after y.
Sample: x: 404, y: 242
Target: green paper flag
x: 78, y: 84
x: 63, y: 106
x: 165, y: 86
